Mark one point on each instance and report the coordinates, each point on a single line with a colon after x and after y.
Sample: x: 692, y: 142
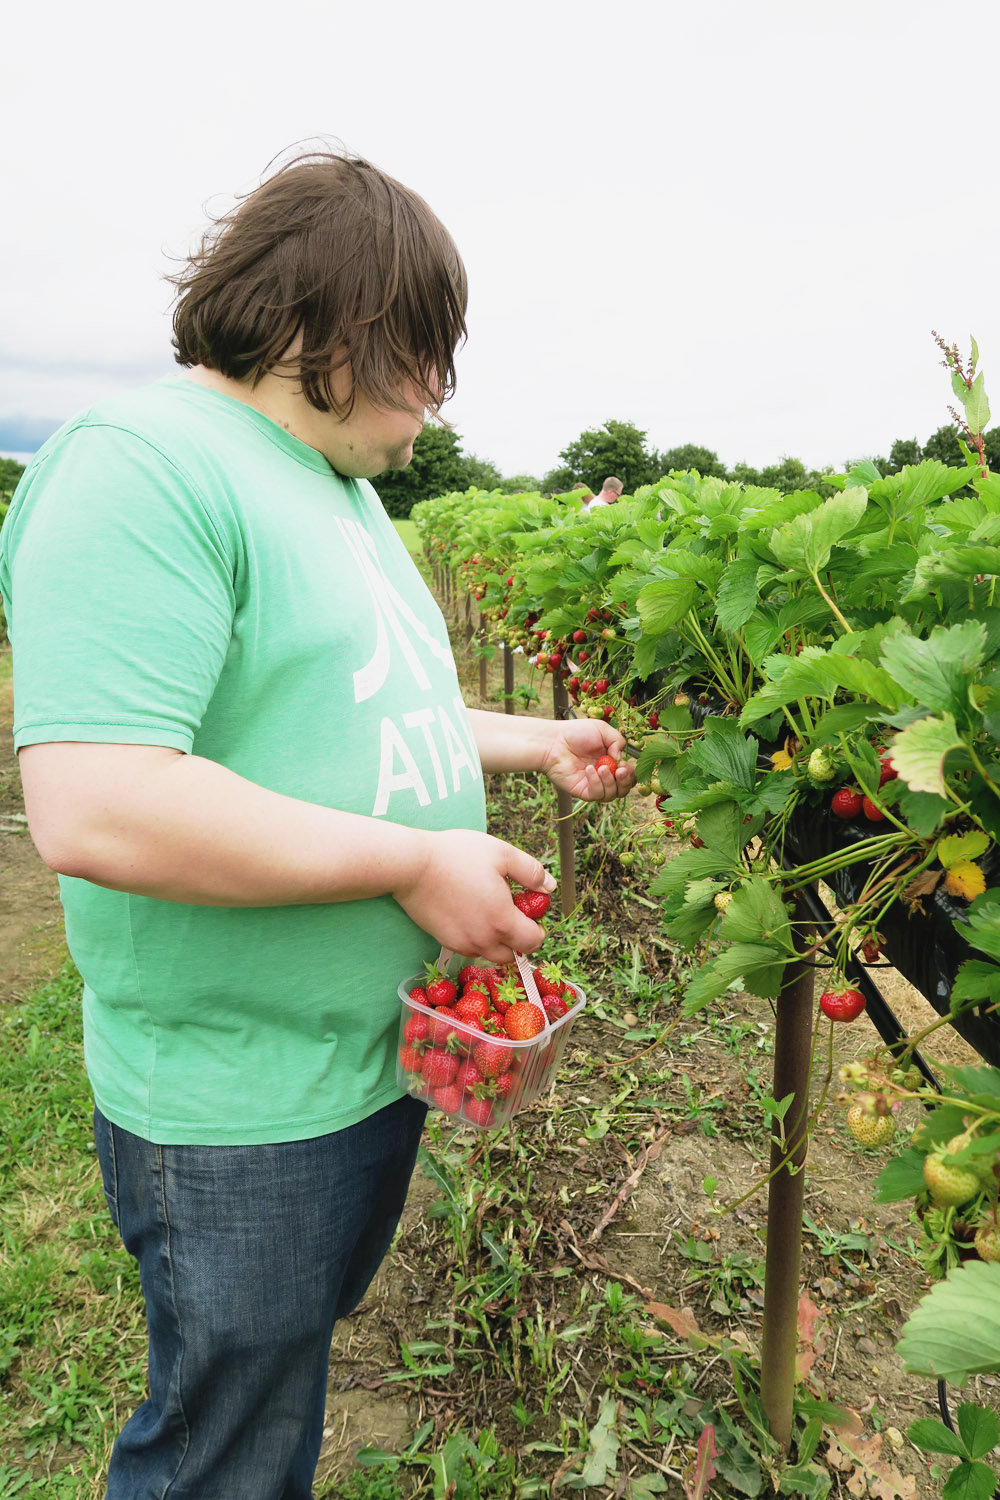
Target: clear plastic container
x: 507, y: 1076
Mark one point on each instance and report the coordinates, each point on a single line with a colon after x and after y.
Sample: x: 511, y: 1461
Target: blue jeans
x: 247, y: 1255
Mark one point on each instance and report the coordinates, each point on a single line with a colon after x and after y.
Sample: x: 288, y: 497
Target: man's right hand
x: 460, y: 894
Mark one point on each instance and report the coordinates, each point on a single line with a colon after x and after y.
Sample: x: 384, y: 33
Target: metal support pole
x: 792, y: 1056
x: 564, y: 808
x: 468, y: 623
x: 483, y: 688
x: 508, y: 680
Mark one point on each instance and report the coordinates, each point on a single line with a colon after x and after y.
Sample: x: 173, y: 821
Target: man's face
x: 373, y: 438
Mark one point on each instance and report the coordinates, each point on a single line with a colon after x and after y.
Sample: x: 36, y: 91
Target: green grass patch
x: 411, y: 541
x: 6, y: 663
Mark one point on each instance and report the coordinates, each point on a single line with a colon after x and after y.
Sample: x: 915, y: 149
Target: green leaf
x: 663, y: 603
x: 656, y: 748
x: 693, y: 864
x: 976, y: 980
x: 922, y: 811
x: 980, y: 1428
x: 977, y: 407
x: 739, y: 1468
x: 983, y: 930
x: 721, y: 827
x: 919, y: 752
x: 805, y: 543
x: 959, y: 846
x: 969, y: 1482
x: 758, y: 965
x: 954, y: 1331
x: 935, y: 671
x: 738, y: 593
x: 756, y: 914
x: 932, y: 1436
x: 601, y: 1458
x: 903, y: 1177
x: 725, y: 753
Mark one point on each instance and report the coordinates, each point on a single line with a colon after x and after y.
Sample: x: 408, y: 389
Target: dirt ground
x: 32, y: 946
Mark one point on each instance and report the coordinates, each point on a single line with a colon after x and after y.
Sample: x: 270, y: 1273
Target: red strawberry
x: 508, y: 994
x: 419, y: 994
x: 548, y: 981
x: 555, y: 1007
x: 846, y: 803
x: 872, y: 949
x: 579, y: 636
x: 449, y: 1098
x: 440, y: 989
x: 492, y: 1058
x: 606, y: 760
x: 472, y: 974
x: 438, y: 1068
x: 479, y: 1111
x: 503, y: 1084
x: 417, y: 1029
x: 444, y: 1028
x: 842, y: 1005
x: 409, y: 1059
x: 601, y: 686
x: 534, y: 904
x: 887, y: 771
x: 473, y: 1006
x: 872, y: 812
x: 654, y: 720
x: 468, y: 1076
x: 523, y: 1021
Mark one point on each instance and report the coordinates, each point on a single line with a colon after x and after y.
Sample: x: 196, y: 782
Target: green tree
x: 943, y: 445
x: 617, y: 448
x: 691, y: 456
x: 903, y: 451
x: 437, y: 467
x: 10, y: 473
x: 787, y: 475
x: 520, y: 484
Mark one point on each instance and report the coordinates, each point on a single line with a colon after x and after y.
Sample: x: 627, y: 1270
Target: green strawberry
x: 821, y: 766
x: 868, y: 1128
x: 949, y: 1186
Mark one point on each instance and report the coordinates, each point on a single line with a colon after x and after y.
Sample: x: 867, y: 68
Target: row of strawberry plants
x: 782, y: 662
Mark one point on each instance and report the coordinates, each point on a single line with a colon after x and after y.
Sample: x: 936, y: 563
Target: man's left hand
x: 570, y: 762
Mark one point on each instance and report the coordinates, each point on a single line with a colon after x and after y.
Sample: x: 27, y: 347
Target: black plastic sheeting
x: 923, y: 942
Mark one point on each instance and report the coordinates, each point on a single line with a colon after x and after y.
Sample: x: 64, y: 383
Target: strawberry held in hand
x: 533, y: 904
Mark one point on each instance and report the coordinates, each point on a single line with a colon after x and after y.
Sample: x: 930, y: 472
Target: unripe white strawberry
x: 948, y: 1185
x: 722, y: 900
x: 869, y: 1128
x: 821, y: 767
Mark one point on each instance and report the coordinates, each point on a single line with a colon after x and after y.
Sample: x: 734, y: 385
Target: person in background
x: 609, y: 493
x: 244, y: 749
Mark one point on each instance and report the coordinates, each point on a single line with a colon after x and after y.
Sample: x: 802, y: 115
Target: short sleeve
x: 118, y: 581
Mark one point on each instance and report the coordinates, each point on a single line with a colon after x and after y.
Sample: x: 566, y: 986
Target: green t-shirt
x: 180, y: 571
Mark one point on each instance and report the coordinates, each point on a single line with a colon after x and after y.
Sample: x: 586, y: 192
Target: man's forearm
x: 182, y: 828
x: 508, y: 742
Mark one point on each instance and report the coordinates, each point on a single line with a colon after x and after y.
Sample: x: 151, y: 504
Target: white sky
x: 733, y: 222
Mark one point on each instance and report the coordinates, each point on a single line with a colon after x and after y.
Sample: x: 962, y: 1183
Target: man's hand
x: 569, y: 763
x: 460, y: 894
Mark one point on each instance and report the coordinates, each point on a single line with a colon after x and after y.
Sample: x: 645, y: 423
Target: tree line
x: 440, y: 466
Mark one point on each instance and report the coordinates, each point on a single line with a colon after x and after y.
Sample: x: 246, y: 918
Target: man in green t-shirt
x: 244, y: 750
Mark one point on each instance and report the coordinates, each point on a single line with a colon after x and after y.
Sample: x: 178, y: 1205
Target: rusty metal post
x: 564, y: 809
x: 483, y: 687
x: 792, y: 1057
x: 508, y: 680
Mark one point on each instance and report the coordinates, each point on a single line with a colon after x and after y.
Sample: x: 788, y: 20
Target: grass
x: 408, y: 531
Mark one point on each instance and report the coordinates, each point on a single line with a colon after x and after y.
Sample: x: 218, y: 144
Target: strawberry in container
x: 495, y: 1043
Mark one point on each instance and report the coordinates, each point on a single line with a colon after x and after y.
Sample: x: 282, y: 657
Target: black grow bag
x: 923, y: 943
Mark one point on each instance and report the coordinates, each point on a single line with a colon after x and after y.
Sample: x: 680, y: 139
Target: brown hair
x: 330, y: 248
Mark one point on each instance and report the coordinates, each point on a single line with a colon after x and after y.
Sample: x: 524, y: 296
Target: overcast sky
x: 732, y: 223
